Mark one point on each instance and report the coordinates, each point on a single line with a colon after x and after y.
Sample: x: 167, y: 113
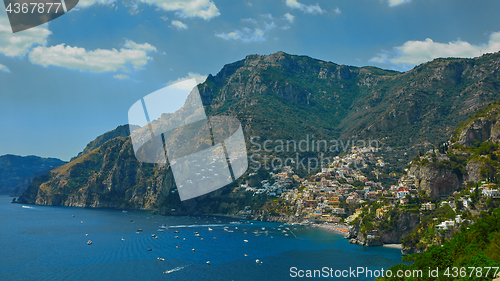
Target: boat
x: 161, y: 259
x: 246, y: 241
x: 176, y: 236
x: 177, y: 231
x: 197, y: 235
x: 89, y: 242
x: 193, y: 250
x: 208, y: 262
x: 150, y: 250
x: 209, y: 229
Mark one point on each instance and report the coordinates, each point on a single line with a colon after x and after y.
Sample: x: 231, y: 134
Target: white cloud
x: 245, y: 36
x: 380, y: 58
x: 393, y: 3
x: 198, y: 77
x: 121, y: 76
x: 293, y: 4
x: 311, y: 9
x: 337, y: 11
x: 18, y: 44
x: 412, y: 53
x: 94, y: 61
x: 179, y: 25
x: 132, y: 45
x: 289, y: 17
x: 249, y: 20
x: 235, y: 35
x: 4, y: 68
x: 204, y: 9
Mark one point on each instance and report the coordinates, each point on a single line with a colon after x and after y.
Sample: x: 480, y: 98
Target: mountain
x: 110, y: 176
x: 17, y: 172
x: 283, y: 97
x: 286, y: 96
x: 120, y: 131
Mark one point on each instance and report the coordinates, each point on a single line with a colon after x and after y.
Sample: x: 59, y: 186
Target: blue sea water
x: 50, y: 243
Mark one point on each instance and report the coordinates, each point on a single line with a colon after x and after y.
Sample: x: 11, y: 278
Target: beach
x: 395, y: 246
x: 337, y: 228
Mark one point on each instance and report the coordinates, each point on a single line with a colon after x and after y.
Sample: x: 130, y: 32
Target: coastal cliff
x: 285, y: 97
x: 389, y: 229
x: 434, y: 180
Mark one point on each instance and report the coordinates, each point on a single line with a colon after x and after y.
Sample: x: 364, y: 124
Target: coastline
x: 339, y: 228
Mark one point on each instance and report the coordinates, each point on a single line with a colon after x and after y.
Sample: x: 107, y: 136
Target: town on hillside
x: 341, y: 196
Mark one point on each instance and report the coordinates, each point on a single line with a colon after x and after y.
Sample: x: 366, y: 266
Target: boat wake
x: 175, y: 269
x: 190, y: 225
x: 27, y: 207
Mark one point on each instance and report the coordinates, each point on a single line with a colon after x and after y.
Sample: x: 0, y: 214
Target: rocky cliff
x: 388, y: 230
x: 435, y: 181
x: 471, y: 155
x: 284, y: 97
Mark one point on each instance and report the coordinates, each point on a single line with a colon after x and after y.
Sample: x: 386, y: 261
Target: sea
x: 52, y: 243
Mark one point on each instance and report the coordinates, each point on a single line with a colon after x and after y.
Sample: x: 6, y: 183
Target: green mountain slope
x: 283, y: 97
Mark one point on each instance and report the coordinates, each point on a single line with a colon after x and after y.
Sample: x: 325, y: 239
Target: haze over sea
x: 50, y: 243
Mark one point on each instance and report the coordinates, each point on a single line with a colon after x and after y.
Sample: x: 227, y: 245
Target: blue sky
x: 65, y: 82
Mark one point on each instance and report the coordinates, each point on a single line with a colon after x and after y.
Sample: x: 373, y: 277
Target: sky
x: 67, y: 81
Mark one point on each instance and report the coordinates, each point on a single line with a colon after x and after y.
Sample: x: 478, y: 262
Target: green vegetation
x: 475, y: 246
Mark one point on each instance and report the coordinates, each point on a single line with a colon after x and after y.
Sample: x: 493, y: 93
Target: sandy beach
x: 396, y: 246
x: 340, y: 229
